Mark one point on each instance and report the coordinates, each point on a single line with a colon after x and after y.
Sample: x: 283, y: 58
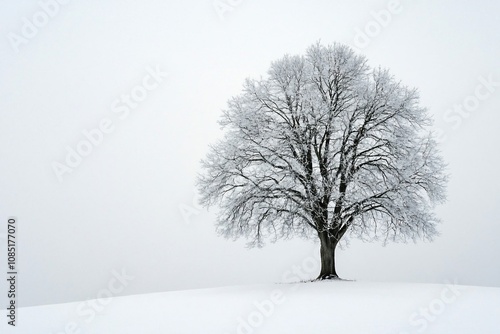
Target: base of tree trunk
x: 329, y: 276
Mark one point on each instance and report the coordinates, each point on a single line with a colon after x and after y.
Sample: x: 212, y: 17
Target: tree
x: 321, y: 147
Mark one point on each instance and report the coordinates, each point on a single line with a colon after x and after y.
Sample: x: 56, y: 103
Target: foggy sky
x: 130, y: 204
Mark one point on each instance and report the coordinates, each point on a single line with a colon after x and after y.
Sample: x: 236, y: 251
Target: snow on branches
x: 322, y: 146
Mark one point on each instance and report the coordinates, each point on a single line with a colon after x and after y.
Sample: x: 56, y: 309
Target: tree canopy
x: 325, y: 147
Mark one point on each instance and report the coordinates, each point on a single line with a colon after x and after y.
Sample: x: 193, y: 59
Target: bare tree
x: 325, y: 145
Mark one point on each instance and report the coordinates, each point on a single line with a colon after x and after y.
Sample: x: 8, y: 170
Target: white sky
x: 121, y: 207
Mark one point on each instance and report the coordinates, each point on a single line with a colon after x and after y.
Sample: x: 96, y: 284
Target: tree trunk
x: 327, y: 253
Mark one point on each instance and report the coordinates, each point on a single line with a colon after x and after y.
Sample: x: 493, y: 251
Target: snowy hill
x: 312, y: 308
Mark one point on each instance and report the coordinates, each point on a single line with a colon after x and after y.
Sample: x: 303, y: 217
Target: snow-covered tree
x: 325, y: 147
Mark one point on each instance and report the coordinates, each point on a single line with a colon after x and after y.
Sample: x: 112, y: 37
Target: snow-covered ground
x: 309, y: 308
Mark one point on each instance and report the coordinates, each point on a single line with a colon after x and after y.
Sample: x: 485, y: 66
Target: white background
x: 121, y: 208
